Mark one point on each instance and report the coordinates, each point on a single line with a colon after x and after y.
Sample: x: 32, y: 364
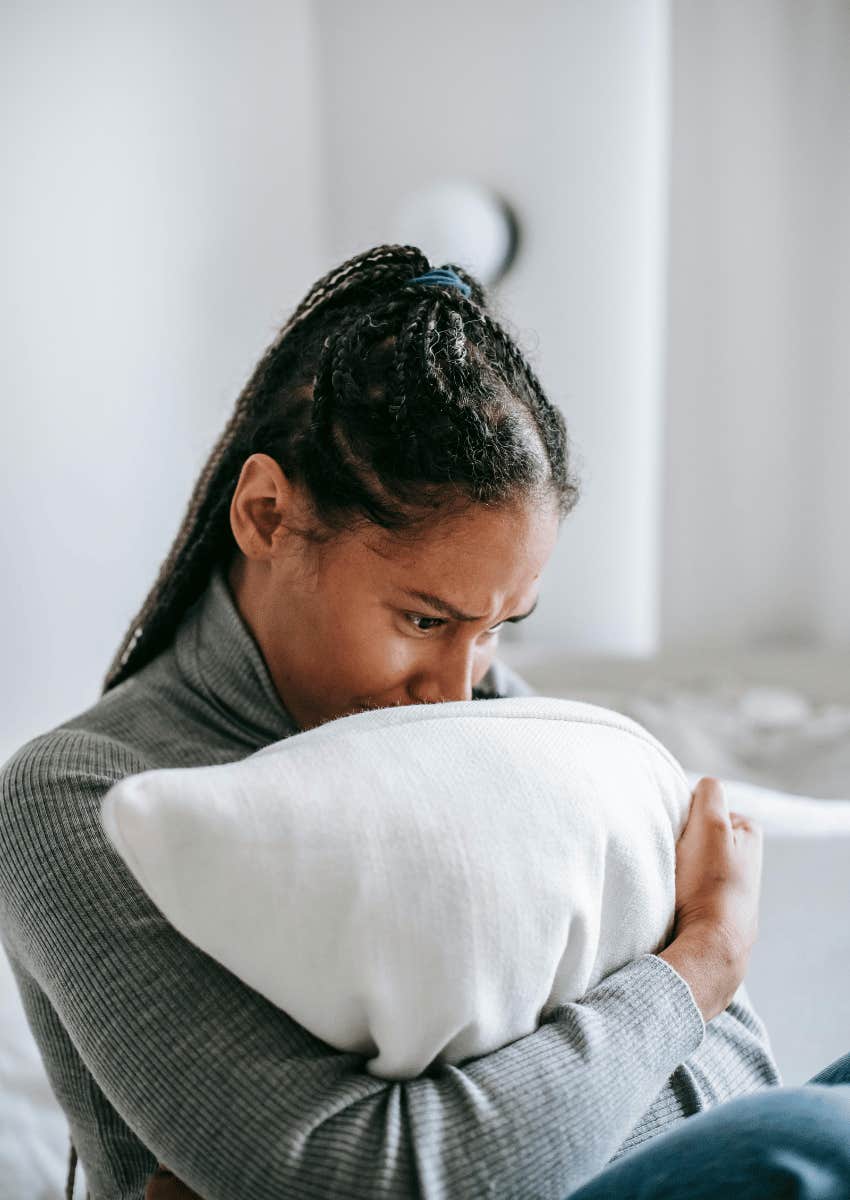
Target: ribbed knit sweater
x: 158, y: 1053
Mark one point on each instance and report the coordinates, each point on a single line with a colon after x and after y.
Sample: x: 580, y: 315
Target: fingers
x: 745, y: 825
x: 709, y: 810
x: 739, y: 821
x: 712, y: 795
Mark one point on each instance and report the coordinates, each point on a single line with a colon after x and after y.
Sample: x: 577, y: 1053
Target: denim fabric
x: 776, y: 1143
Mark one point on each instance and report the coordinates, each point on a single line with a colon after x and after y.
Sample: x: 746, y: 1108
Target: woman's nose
x: 447, y: 677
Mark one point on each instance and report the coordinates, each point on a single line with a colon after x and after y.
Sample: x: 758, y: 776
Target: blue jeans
x: 780, y: 1142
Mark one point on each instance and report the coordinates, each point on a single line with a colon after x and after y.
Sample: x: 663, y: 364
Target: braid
x: 374, y: 268
x: 411, y: 354
x: 185, y: 571
x: 386, y: 399
x: 550, y: 418
x: 72, y: 1172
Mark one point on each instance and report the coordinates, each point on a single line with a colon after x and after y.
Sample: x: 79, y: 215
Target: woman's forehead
x: 464, y: 561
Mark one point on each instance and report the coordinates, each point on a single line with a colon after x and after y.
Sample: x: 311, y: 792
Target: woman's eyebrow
x: 449, y: 610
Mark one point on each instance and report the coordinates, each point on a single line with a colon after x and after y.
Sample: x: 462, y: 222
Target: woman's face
x: 341, y: 629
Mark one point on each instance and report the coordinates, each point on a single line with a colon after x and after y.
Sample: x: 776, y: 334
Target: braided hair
x: 385, y: 400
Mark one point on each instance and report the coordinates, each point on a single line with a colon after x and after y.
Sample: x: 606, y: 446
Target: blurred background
x: 178, y: 174
x: 660, y: 193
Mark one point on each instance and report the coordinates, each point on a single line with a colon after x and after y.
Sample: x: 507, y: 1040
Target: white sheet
x: 779, y: 738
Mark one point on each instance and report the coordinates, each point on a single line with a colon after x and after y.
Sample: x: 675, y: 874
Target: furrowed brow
x: 448, y: 610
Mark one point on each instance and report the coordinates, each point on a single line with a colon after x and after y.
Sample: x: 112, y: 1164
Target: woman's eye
x: 434, y: 621
x: 437, y: 621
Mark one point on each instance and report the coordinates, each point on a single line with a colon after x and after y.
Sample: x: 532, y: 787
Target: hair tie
x: 443, y: 277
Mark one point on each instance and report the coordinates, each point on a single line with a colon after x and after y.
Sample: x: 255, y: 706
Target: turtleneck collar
x: 219, y: 658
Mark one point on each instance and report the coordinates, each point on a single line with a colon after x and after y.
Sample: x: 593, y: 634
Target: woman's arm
x: 734, y: 1059
x: 236, y: 1097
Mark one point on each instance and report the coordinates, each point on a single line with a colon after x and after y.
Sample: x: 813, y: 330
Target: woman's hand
x: 164, y: 1185
x: 718, y: 880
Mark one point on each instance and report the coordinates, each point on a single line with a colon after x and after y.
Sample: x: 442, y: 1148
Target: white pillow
x: 419, y: 882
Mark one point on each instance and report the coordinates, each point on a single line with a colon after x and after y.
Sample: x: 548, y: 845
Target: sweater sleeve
x: 235, y: 1096
x: 734, y: 1059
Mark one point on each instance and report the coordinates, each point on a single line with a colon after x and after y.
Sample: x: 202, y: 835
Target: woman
x: 384, y: 498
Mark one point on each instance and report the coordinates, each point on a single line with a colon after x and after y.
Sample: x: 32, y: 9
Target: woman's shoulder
x: 68, y: 750
x: 55, y: 782
x: 54, y: 855
x: 94, y: 743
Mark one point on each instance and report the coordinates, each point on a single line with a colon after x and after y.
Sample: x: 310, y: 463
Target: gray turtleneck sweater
x: 157, y: 1053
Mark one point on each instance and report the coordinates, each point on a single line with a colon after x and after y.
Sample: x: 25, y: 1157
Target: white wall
x: 562, y: 107
x: 176, y: 175
x: 716, y: 506
x: 828, y: 74
x: 757, y: 495
x: 162, y: 213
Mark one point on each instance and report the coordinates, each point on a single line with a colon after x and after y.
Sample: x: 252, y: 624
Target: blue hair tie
x: 444, y: 277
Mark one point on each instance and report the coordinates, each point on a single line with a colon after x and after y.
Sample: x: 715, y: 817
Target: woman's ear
x: 261, y: 497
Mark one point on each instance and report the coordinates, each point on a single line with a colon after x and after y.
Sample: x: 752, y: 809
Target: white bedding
x: 776, y: 737
x: 778, y: 719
